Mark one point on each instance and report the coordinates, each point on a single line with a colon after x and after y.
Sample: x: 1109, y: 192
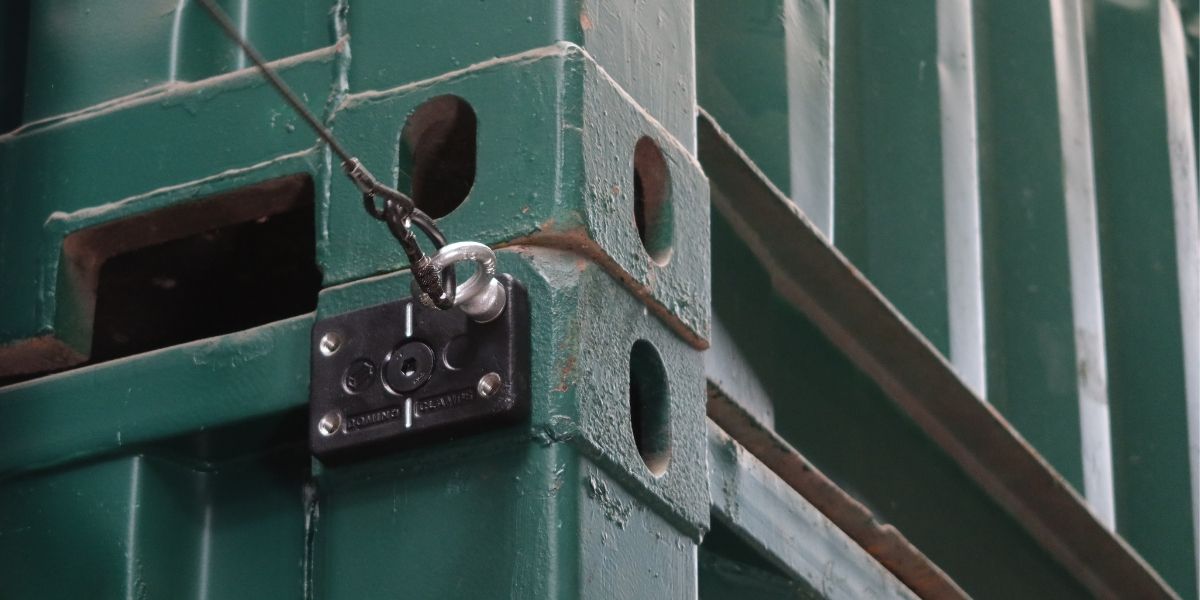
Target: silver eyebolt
x: 481, y: 296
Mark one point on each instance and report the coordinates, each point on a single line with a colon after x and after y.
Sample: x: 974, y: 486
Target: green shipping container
x: 825, y: 299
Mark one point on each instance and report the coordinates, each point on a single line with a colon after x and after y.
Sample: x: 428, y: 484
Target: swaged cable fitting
x: 434, y: 276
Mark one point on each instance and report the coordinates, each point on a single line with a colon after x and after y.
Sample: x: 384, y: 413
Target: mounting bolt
x: 330, y: 423
x: 330, y: 343
x: 488, y: 384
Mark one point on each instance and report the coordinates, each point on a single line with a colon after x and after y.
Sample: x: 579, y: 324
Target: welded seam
x: 94, y: 212
x: 132, y: 566
x: 558, y: 49
x: 341, y: 88
x: 171, y: 90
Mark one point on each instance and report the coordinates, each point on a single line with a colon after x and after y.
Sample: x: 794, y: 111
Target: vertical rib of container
x: 888, y: 156
x: 765, y: 75
x: 1046, y: 369
x: 960, y: 189
x: 1146, y: 167
x: 809, y: 74
x: 1087, y: 305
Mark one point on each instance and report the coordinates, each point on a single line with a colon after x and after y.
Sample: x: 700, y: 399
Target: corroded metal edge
x: 882, y: 541
x: 793, y: 532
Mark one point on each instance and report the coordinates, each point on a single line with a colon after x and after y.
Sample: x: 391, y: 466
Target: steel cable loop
x: 370, y: 188
x: 399, y: 212
x: 438, y: 285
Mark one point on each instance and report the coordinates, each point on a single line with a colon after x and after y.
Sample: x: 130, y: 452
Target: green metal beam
x: 782, y: 526
x: 118, y: 406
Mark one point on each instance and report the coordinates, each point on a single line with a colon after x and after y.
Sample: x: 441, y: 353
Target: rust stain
x: 42, y: 353
x: 881, y: 540
x: 585, y: 22
x: 564, y: 374
x: 577, y: 240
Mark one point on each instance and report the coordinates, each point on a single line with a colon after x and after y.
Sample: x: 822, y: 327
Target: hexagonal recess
x: 555, y: 150
x: 584, y: 326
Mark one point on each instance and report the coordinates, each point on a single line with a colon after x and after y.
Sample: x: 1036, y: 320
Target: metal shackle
x: 481, y: 296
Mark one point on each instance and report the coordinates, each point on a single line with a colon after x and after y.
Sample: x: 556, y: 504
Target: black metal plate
x: 404, y: 373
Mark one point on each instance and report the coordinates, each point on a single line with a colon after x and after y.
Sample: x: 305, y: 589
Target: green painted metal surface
x: 562, y: 178
x: 169, y: 393
x: 105, y: 185
x: 778, y: 525
x: 157, y: 527
x: 584, y: 326
x: 1017, y: 179
x: 763, y: 71
x: 516, y: 519
x: 560, y: 507
x: 436, y: 40
x: 549, y: 172
x: 1137, y: 87
x: 1031, y: 354
x: 888, y: 168
x: 147, y: 45
x: 546, y: 509
x: 846, y: 426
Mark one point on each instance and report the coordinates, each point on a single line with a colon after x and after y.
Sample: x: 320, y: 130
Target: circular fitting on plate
x: 408, y: 367
x: 359, y: 376
x: 481, y: 297
x: 330, y: 423
x: 488, y: 385
x: 330, y: 343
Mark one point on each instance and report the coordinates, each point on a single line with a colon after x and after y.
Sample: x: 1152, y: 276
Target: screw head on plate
x: 488, y: 385
x: 330, y: 343
x: 408, y: 367
x: 330, y: 423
